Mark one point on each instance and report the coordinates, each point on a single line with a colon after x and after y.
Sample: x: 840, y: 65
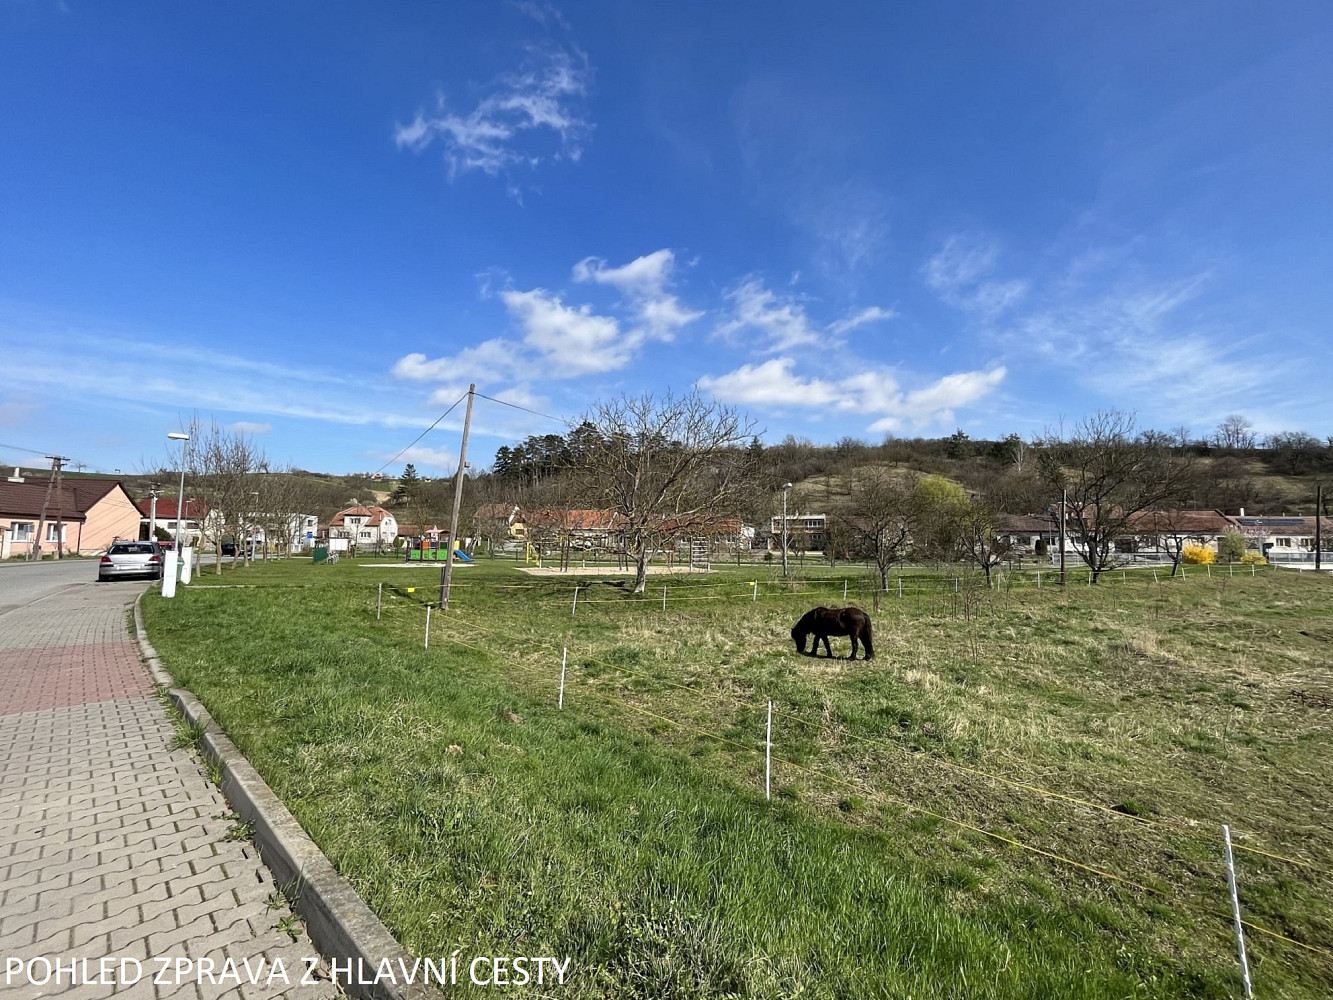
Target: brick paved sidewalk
x: 112, y: 844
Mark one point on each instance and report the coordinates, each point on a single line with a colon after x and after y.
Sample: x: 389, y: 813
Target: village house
x: 362, y: 527
x: 162, y: 518
x: 83, y: 517
x: 1285, y: 539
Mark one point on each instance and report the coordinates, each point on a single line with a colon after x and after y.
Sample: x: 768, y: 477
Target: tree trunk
x: 641, y: 570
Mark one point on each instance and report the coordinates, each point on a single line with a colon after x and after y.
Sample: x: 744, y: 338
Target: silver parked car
x: 130, y: 559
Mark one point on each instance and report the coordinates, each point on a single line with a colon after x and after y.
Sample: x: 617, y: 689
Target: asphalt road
x: 24, y: 582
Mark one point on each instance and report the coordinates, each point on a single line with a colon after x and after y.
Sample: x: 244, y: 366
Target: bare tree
x: 1109, y: 475
x: 666, y: 467
x: 1234, y: 432
x: 974, y: 524
x: 881, y: 508
x: 225, y: 470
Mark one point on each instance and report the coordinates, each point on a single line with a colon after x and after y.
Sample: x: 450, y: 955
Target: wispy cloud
x: 872, y: 314
x: 107, y: 369
x: 503, y: 131
x: 251, y: 427
x: 781, y: 321
x: 775, y: 386
x: 960, y: 273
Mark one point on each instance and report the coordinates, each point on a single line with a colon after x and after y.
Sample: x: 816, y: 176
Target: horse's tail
x: 865, y: 639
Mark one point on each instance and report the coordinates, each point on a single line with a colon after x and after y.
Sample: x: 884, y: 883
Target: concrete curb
x: 339, y: 922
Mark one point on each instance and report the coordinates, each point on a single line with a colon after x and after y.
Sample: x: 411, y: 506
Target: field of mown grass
x: 1020, y: 796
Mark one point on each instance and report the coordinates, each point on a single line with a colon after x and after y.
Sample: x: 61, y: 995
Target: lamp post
x: 180, y: 496
x: 785, y: 488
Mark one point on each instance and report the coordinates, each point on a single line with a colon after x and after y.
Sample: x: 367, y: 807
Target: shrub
x: 1198, y: 555
x: 1231, y: 547
x: 1253, y: 559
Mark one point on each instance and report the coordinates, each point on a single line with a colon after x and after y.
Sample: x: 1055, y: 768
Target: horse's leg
x: 828, y: 650
x: 853, y: 656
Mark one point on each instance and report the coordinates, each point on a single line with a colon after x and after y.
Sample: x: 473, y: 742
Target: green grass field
x: 1020, y: 796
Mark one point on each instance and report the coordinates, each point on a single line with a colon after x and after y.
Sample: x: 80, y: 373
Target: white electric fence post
x: 844, y: 590
x: 563, y: 657
x: 1209, y: 570
x: 664, y: 598
x: 768, y: 755
x: 900, y: 587
x: 1235, y: 913
x: 426, y: 645
x: 576, y: 602
x: 1039, y: 579
x: 955, y: 585
x: 755, y: 595
x: 379, y: 600
x: 1154, y: 577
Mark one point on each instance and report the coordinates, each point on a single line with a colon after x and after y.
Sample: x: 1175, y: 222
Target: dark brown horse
x: 824, y: 622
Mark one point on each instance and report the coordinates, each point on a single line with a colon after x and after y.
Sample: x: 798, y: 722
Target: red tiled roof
x: 374, y: 516
x: 166, y: 508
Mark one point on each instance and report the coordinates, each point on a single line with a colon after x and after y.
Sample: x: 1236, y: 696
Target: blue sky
x: 318, y: 222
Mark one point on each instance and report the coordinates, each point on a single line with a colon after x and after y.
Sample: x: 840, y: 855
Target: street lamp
x: 180, y: 496
x: 785, y: 488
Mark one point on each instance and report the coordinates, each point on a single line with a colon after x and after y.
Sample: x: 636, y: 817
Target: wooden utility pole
x: 1064, y: 497
x: 35, y: 549
x: 1318, y: 521
x: 446, y: 574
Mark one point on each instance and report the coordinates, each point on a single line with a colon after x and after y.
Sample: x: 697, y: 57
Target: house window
x: 23, y: 530
x: 365, y: 534
x: 1284, y: 543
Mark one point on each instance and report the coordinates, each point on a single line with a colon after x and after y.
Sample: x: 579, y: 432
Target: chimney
x: 16, y: 478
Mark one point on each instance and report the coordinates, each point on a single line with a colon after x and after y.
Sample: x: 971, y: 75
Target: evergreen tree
x: 407, y: 486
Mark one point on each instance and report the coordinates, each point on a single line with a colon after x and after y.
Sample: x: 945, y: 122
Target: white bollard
x: 563, y: 657
x: 768, y: 755
x: 187, y: 564
x: 169, y: 575
x: 576, y: 602
x: 1235, y: 913
x: 427, y: 643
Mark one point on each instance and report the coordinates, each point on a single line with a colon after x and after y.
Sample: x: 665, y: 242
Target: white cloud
x: 493, y: 136
x: 643, y: 282
x: 774, y: 385
x: 251, y: 427
x: 781, y: 321
x: 570, y: 340
x: 771, y: 384
x: 873, y: 314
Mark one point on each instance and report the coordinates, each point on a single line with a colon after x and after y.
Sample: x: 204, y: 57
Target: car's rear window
x: 130, y: 548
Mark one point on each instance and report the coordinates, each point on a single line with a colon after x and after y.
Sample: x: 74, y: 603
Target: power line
x: 422, y: 434
x: 536, y: 413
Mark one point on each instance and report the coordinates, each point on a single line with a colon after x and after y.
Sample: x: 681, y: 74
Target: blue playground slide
x: 460, y: 554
